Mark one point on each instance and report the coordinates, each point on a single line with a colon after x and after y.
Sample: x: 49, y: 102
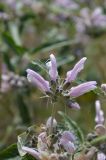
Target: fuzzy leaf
x: 40, y: 65
x: 24, y: 139
x: 28, y: 157
x: 72, y: 125
x: 11, y: 43
x: 49, y: 46
x: 23, y: 109
x: 9, y: 152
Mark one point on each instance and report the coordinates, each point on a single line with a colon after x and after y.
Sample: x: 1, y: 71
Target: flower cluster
x: 70, y: 4
x: 56, y: 87
x: 90, y: 21
x: 4, y: 16
x: 51, y: 146
x: 10, y: 80
x: 54, y: 141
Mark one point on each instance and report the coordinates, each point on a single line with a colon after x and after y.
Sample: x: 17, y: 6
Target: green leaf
x: 65, y: 60
x: 7, y: 60
x: 15, y: 158
x: 9, y: 152
x: 46, y: 47
x: 14, y: 33
x: 11, y: 43
x: 72, y: 125
x: 21, y: 142
x: 23, y: 109
x: 40, y: 65
x: 28, y: 157
x: 24, y: 139
x: 24, y: 18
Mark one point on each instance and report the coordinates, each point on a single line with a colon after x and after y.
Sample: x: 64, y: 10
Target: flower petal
x: 53, y: 68
x: 69, y: 136
x: 72, y: 74
x: 73, y: 105
x: 31, y: 152
x: 101, y: 156
x: 82, y: 88
x: 38, y: 80
x: 68, y: 146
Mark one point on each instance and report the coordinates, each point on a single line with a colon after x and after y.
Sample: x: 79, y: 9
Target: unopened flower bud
x: 99, y: 119
x: 103, y: 86
x: 67, y: 135
x: 51, y: 121
x: 73, y: 105
x: 68, y: 146
x: 67, y: 140
x: 52, y: 66
x: 100, y: 129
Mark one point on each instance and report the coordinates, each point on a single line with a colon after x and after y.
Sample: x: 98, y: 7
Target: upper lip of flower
x: 82, y: 88
x: 53, y: 68
x: 36, y: 78
x: 67, y: 140
x: 72, y: 74
x: 31, y: 151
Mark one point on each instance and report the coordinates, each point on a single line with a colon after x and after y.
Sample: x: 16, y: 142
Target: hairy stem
x: 98, y: 140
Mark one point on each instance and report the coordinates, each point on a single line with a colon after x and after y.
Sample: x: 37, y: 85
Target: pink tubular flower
x: 73, y: 105
x: 101, y: 156
x: 67, y: 135
x: 32, y: 152
x: 68, y: 146
x: 72, y: 74
x: 38, y: 80
x: 67, y: 4
x: 67, y: 140
x: 99, y: 119
x: 52, y: 65
x: 82, y: 89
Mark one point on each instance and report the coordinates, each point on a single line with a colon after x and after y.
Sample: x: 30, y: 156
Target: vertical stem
x: 52, y: 117
x: 53, y: 110
x: 0, y: 68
